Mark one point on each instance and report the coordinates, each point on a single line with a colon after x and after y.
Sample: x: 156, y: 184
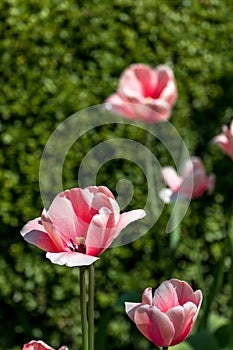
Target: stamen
x: 73, y: 247
x: 81, y: 244
x: 79, y: 247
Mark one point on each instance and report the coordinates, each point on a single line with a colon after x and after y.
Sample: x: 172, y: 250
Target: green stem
x: 174, y: 239
x: 91, y: 308
x: 165, y: 348
x: 230, y: 237
x: 83, y: 308
x: 151, y: 176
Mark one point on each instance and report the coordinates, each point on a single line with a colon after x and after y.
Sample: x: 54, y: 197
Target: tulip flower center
x: 148, y: 99
x: 79, y: 247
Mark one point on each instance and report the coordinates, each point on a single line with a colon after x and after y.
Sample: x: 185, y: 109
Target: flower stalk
x: 91, y: 308
x: 83, y: 308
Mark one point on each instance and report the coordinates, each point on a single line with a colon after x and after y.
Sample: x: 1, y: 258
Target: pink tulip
x: 167, y: 318
x: 190, y: 185
x: 141, y: 86
x: 40, y: 345
x: 79, y: 225
x: 225, y: 140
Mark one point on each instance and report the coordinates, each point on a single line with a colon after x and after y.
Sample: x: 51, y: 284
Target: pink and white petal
x: 198, y: 166
x: 147, y: 296
x: 220, y: 139
x: 154, y: 325
x: 99, y: 237
x: 165, y: 75
x: 36, y: 345
x: 169, y: 94
x: 158, y: 110
x: 33, y: 232
x: 63, y: 348
x: 100, y: 200
x: 171, y: 178
x: 143, y: 321
x: 53, y: 233
x: 71, y: 259
x: 81, y: 200
x: 166, y: 195
x: 106, y: 191
x: 120, y: 105
x: 177, y: 317
x: 184, y: 291
x: 33, y: 225
x: 192, y: 186
x: 128, y: 217
x: 148, y: 78
x: 192, y: 166
x: 165, y: 296
x: 190, y: 313
x: 129, y: 85
x: 41, y: 240
x: 130, y: 309
x: 199, y: 296
x: 62, y: 216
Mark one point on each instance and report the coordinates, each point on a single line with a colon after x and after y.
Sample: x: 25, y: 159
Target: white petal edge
x: 71, y: 259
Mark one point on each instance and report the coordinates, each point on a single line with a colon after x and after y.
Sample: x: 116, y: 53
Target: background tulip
x: 40, y: 345
x: 167, y: 318
x: 190, y: 185
x: 225, y: 140
x: 141, y: 86
x: 79, y: 225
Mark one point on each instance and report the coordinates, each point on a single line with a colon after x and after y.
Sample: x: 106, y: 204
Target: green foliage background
x: 59, y: 57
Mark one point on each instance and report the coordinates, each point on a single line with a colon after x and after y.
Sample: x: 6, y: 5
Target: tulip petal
x: 157, y: 110
x: 81, y: 200
x: 101, y: 232
x: 165, y: 75
x: 167, y: 195
x: 165, y: 296
x: 62, y: 216
x: 177, y: 317
x: 33, y: 232
x: 190, y: 312
x: 184, y: 291
x: 130, y: 309
x: 106, y: 191
x: 148, y: 79
x: 71, y: 259
x: 130, y: 86
x: 120, y: 105
x: 154, y: 325
x: 198, y: 296
x: 40, y: 345
x: 147, y: 296
x: 171, y: 178
x: 36, y: 345
x: 130, y: 216
x: 169, y: 94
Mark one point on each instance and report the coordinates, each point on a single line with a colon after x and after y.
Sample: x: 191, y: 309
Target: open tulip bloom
x: 192, y: 183
x: 40, y: 345
x: 141, y: 86
x: 79, y: 225
x: 225, y: 140
x: 166, y: 318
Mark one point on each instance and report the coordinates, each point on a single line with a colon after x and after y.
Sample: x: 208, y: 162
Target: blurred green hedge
x: 59, y: 57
